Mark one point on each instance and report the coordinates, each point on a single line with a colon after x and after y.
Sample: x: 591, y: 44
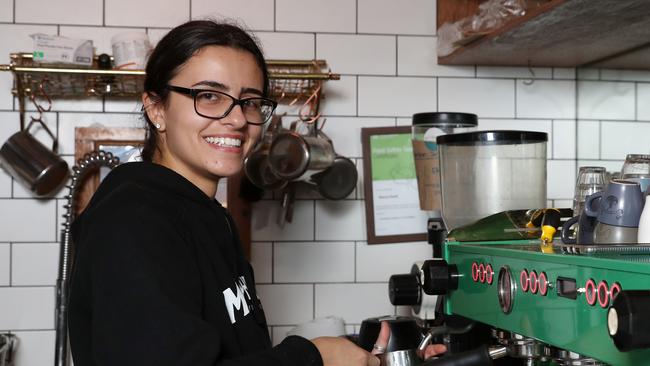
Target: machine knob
x: 405, y: 289
x: 628, y: 320
x: 439, y: 277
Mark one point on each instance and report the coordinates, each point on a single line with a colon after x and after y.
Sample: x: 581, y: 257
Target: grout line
x: 273, y: 262
x: 357, y: 97
x: 314, y: 218
x: 636, y: 101
x: 313, y: 301
x: 356, y: 16
x: 437, y: 94
x: 355, y: 261
x: 576, y: 92
x: 11, y: 247
x: 515, y: 97
x: 397, y: 55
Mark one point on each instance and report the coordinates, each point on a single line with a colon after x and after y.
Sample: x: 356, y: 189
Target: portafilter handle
x: 481, y: 356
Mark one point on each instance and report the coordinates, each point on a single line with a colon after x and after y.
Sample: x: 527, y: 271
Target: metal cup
x: 256, y: 164
x: 407, y: 357
x: 611, y: 234
x: 337, y: 181
x: 32, y: 164
x: 293, y: 156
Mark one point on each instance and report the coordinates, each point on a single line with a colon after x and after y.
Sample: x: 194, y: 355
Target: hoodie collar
x: 154, y: 176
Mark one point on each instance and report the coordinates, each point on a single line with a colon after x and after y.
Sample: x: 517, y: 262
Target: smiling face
x: 199, y: 148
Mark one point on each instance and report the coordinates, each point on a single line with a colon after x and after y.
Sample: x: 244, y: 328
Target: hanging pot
x: 32, y: 164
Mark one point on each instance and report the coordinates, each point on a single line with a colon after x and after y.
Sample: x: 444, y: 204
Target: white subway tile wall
x: 319, y: 264
x: 27, y: 308
x: 82, y: 12
x: 25, y: 257
x: 152, y: 13
x: 5, y: 264
x: 545, y: 98
x: 260, y: 19
x: 35, y: 348
x: 7, y: 14
x: 358, y: 54
x: 336, y: 16
x: 287, y: 46
x: 396, y: 96
x: 483, y: 97
x: 415, y: 17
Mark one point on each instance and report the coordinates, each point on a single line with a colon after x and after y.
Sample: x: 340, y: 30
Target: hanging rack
x: 290, y: 80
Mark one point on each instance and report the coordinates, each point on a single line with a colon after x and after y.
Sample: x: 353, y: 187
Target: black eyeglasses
x: 216, y: 105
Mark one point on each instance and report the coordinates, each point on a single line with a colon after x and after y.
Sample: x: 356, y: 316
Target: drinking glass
x: 591, y: 179
x: 637, y: 169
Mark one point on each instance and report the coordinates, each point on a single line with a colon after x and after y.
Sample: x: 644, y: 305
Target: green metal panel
x: 565, y: 323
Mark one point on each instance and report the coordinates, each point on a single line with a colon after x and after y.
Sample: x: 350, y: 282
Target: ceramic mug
x: 583, y: 233
x: 620, y: 204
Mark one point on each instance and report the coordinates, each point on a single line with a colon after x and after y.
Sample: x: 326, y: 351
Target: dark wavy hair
x: 178, y: 46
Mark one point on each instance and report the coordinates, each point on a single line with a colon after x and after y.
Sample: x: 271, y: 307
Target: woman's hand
x: 384, y: 335
x: 434, y: 350
x: 338, y: 351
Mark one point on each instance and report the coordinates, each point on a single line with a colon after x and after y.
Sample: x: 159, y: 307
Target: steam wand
x: 89, y: 162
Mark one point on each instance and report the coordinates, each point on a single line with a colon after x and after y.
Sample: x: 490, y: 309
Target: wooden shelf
x: 562, y: 33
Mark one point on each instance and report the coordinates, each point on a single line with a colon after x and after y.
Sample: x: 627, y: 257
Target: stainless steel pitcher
x: 32, y: 164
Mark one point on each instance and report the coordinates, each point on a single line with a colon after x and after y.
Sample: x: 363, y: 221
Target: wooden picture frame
x: 379, y: 227
x: 88, y: 139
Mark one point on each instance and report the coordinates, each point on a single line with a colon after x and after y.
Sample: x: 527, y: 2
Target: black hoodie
x: 159, y: 279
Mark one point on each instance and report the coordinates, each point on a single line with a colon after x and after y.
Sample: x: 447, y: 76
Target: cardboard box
x: 56, y: 49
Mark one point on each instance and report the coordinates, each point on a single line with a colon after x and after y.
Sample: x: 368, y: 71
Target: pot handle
x: 55, y: 141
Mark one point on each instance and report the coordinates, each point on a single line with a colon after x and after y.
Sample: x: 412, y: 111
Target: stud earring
x: 157, y: 126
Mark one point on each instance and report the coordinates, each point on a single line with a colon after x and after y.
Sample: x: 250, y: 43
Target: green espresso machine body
x: 551, y: 293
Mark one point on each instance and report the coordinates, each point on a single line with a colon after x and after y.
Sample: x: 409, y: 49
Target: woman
x: 168, y: 284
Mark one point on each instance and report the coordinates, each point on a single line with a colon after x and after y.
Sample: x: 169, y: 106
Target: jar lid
x: 498, y: 137
x: 445, y: 119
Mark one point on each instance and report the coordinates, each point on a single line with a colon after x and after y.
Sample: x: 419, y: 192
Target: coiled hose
x: 88, y: 163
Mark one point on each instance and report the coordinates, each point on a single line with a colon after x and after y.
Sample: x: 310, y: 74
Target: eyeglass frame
x: 192, y: 92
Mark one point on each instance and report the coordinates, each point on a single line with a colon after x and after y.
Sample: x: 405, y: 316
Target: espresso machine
x: 533, y: 300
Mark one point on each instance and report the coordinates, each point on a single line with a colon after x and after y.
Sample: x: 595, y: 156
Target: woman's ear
x: 153, y: 108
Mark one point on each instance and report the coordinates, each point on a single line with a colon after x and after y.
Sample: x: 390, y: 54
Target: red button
x: 603, y: 294
x: 474, y: 271
x: 481, y: 273
x: 616, y: 288
x: 533, y: 281
x: 590, y: 292
x: 523, y: 280
x: 489, y: 273
x: 543, y: 284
